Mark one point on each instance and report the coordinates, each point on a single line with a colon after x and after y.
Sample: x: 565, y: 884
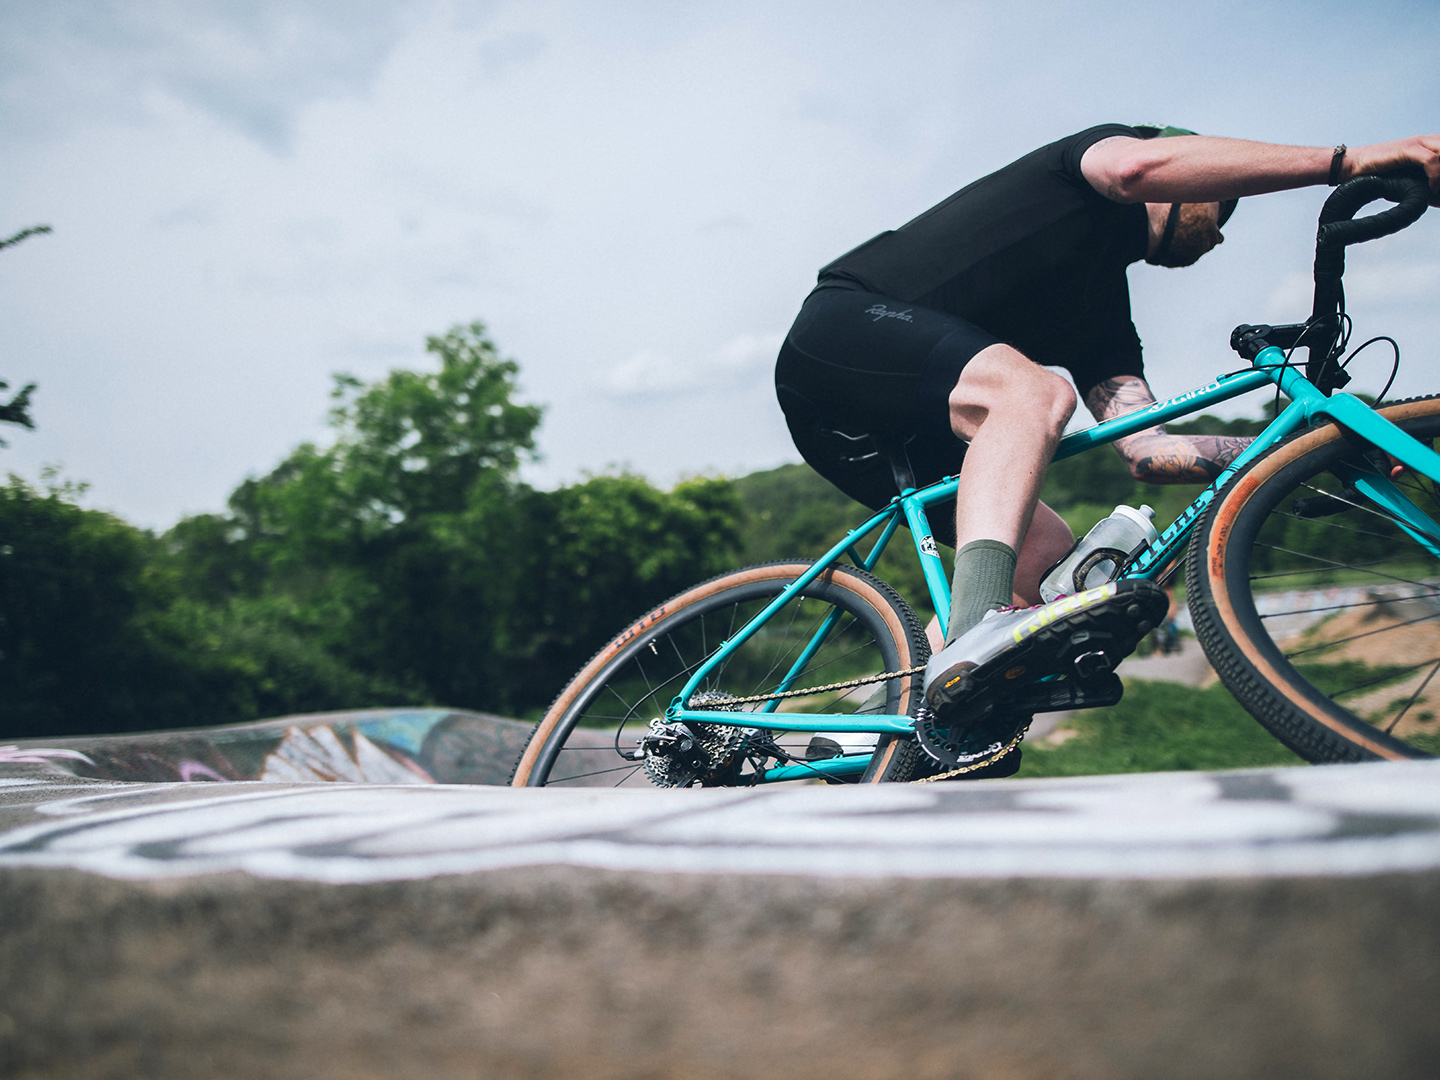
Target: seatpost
x: 893, y: 450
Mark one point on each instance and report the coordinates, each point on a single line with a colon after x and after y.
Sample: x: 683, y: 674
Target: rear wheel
x: 589, y: 736
x: 1319, y: 613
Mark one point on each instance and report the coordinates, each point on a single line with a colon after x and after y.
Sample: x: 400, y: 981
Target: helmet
x: 1165, y: 131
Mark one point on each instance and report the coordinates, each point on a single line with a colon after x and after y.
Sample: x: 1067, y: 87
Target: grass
x: 1158, y: 727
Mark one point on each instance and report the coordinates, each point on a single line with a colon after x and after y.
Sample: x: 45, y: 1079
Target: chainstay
x: 757, y: 698
x: 961, y: 771
x: 865, y: 680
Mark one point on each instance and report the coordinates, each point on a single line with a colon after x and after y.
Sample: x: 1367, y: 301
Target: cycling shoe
x: 1082, y: 636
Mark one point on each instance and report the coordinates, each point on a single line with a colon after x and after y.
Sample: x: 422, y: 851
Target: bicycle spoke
x: 1307, y: 571
x: 1389, y: 676
x: 629, y: 768
x: 1330, y: 564
x: 609, y: 718
x: 1366, y: 507
x: 1413, y: 698
x: 1346, y: 607
x: 1358, y: 637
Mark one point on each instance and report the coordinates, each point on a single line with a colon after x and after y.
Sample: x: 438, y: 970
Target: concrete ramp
x: 1276, y: 923
x: 367, y: 746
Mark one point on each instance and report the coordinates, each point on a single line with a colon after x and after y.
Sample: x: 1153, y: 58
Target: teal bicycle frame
x: 1270, y: 368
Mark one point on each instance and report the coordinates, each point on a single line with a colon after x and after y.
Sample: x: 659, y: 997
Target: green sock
x: 984, y: 580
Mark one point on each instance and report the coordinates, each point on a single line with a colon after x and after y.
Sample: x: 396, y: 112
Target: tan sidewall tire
x: 899, y: 621
x: 1318, y: 731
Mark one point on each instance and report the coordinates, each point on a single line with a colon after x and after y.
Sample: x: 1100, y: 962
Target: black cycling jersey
x: 1032, y: 254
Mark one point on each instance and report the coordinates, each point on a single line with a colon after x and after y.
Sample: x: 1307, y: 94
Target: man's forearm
x: 1179, y: 459
x: 1202, y: 168
x: 1153, y: 455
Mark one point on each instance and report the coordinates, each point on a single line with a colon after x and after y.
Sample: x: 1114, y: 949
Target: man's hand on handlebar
x: 1421, y: 150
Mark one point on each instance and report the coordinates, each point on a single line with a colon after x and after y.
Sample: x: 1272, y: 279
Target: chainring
x: 986, y: 740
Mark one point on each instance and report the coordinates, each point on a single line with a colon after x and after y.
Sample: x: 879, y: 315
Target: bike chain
x: 756, y: 699
x: 961, y: 771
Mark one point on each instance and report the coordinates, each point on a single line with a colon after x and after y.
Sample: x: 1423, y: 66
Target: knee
x: 1055, y: 400
x: 1021, y: 391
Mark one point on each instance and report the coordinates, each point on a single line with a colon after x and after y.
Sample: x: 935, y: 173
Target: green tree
x: 70, y: 584
x: 601, y: 554
x: 409, y: 550
x: 97, y: 636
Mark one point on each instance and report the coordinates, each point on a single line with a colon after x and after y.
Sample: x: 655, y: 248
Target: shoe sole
x: 1100, y: 627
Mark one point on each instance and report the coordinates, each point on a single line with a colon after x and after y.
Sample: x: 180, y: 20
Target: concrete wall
x: 1268, y: 924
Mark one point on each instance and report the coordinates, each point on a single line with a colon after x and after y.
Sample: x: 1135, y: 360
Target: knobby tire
x: 581, y: 738
x: 1326, y: 627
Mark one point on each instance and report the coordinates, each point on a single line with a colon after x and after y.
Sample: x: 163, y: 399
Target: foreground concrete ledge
x: 1333, y: 820
x: 1278, y: 923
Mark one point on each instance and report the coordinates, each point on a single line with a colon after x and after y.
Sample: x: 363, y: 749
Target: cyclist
x: 927, y: 342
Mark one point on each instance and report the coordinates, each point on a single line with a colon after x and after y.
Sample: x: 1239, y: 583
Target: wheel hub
x: 676, y: 754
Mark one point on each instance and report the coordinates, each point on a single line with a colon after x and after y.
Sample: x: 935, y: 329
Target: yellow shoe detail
x: 1069, y: 604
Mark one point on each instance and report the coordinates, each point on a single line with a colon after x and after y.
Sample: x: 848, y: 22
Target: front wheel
x: 589, y: 736
x: 1319, y: 613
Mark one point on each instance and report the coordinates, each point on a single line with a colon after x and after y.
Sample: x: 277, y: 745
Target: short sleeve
x: 1114, y: 348
x: 1068, y: 152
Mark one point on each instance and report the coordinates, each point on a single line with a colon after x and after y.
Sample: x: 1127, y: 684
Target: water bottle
x: 1101, y: 554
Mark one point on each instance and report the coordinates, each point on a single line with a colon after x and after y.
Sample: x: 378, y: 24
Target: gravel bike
x: 1313, y: 581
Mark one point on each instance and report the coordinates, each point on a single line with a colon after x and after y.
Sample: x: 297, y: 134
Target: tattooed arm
x: 1154, y: 456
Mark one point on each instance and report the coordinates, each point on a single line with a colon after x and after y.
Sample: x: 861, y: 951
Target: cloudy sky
x: 635, y: 195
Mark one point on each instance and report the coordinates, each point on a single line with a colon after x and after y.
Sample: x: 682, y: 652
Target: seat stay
x: 677, y: 710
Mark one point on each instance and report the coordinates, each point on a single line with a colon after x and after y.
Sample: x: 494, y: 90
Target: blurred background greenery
x: 406, y: 564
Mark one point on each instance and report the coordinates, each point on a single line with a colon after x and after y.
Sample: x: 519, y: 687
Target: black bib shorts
x: 860, y: 375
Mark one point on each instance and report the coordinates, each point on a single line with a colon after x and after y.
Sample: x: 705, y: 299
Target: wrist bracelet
x: 1336, y: 161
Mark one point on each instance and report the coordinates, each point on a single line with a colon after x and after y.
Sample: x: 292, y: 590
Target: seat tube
x: 925, y: 547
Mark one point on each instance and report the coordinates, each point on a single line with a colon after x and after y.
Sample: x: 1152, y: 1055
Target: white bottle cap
x: 1141, y: 518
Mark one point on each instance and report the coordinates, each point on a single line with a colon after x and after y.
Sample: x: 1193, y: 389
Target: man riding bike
x: 923, y: 348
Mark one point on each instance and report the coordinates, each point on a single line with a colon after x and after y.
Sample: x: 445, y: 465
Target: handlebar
x: 1407, y: 187
x: 1410, y: 190
x: 1321, y: 333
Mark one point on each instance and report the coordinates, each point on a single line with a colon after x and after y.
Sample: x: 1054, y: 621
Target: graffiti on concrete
x: 38, y: 755
x: 1359, y: 819
x: 320, y: 754
x: 382, y: 746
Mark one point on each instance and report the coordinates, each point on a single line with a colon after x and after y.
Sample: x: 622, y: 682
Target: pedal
x: 1091, y: 665
x: 1065, y: 694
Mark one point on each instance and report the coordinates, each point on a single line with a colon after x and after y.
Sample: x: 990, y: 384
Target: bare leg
x: 1013, y: 412
x: 1049, y: 538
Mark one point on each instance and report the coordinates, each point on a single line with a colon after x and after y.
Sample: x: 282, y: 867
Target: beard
x: 1195, y: 233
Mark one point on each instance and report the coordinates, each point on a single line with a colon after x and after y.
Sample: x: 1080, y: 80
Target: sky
x: 634, y: 196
